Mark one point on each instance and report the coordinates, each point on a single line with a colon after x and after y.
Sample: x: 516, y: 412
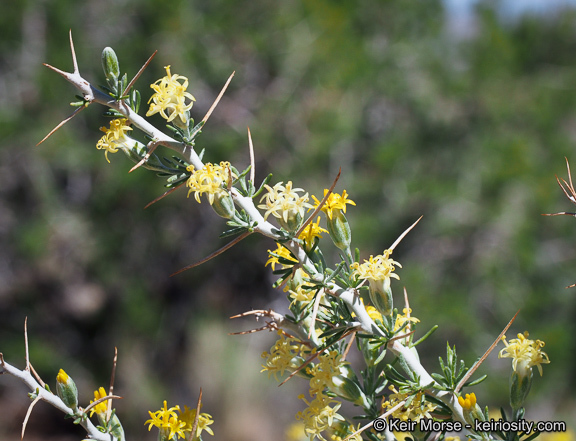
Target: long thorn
x: 252, y: 163
x: 28, y: 415
x: 164, y: 195
x: 111, y: 389
x: 152, y: 148
x: 26, y: 344
x: 476, y: 365
x: 367, y: 426
x: 218, y: 98
x: 76, y: 70
x: 197, y: 417
x: 61, y: 124
x: 403, y: 235
x: 302, y: 366
x: 315, y: 312
x: 214, y: 254
x: 144, y: 66
x: 320, y: 205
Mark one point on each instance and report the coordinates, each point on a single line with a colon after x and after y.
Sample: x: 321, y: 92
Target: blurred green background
x: 462, y: 115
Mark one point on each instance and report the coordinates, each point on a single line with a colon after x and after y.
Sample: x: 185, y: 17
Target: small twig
x: 260, y: 313
x: 271, y: 326
x: 476, y: 365
x: 215, y: 253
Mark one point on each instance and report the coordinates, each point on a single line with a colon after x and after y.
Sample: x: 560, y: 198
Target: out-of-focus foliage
x: 468, y: 132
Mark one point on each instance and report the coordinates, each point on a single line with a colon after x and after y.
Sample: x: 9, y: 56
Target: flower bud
x: 339, y: 230
x: 470, y: 408
x: 223, y: 205
x: 520, y: 383
x: 346, y: 386
x: 67, y: 390
x: 381, y: 295
x: 291, y: 219
x: 116, y: 428
x: 110, y: 65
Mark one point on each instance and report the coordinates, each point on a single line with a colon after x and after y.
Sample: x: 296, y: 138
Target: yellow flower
x: 525, y: 353
x: 469, y: 402
x: 114, y: 137
x: 212, y: 180
x: 204, y: 420
x: 167, y: 421
x: 403, y: 318
x: 170, y: 96
x: 372, y: 312
x: 319, y: 416
x: 284, y: 203
x: 287, y: 354
x: 302, y: 295
x: 324, y: 371
x: 334, y: 202
x: 312, y: 231
x: 417, y: 409
x: 376, y: 268
x: 378, y: 271
x: 102, y: 407
x: 336, y: 375
x: 282, y: 252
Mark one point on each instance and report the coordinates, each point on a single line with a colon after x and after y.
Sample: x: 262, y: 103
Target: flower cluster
x: 212, y: 180
x: 415, y: 408
x: 114, y: 137
x: 170, y: 96
x: 334, y: 204
x: 338, y: 226
x: 284, y: 203
x: 320, y: 415
x: 525, y: 353
x: 312, y: 231
x: 287, y: 354
x: 280, y: 252
x: 102, y: 407
x: 403, y: 318
x: 378, y: 271
x: 174, y: 423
